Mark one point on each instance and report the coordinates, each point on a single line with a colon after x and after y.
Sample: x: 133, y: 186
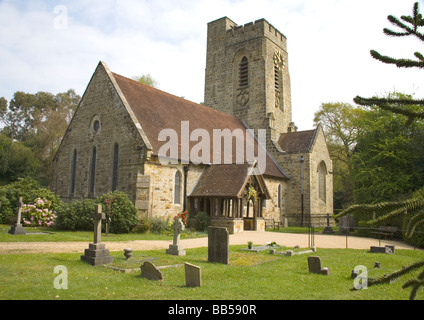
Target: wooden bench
x: 387, y: 232
x: 271, y: 223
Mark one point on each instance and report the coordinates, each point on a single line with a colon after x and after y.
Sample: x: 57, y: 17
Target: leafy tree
x: 147, y: 79
x: 413, y: 208
x: 341, y: 123
x: 38, y: 121
x: 388, y: 162
x: 412, y: 108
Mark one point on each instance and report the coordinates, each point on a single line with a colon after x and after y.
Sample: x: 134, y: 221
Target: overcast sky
x: 54, y: 46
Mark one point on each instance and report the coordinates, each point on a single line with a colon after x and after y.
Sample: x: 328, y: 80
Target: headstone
x: 176, y: 249
x: 218, y: 245
x: 193, y: 275
x: 149, y: 271
x: 17, y: 227
x: 97, y: 254
x: 346, y: 224
x: 385, y: 249
x: 314, y: 264
x: 328, y: 229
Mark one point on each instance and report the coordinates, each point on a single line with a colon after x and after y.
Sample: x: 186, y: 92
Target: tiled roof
x: 225, y: 180
x: 156, y: 110
x: 300, y: 141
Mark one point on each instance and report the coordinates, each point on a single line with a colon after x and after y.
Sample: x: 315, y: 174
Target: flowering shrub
x: 183, y: 217
x: 38, y: 214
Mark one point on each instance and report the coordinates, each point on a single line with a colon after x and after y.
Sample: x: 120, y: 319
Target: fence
x: 346, y: 232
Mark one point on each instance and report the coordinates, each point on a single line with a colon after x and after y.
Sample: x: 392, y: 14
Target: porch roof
x: 227, y: 180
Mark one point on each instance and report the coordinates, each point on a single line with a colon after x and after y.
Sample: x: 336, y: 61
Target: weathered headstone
x: 176, y: 249
x: 149, y: 271
x: 17, y: 227
x: 218, y: 245
x: 314, y: 264
x: 193, y: 275
x: 97, y: 254
x: 346, y: 224
x: 385, y: 249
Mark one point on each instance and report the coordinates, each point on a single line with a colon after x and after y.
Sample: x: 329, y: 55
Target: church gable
x: 94, y: 150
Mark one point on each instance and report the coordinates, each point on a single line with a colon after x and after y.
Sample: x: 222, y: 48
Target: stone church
x: 170, y: 155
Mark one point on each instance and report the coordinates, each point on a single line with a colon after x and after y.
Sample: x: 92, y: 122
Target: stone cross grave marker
x: 175, y: 248
x: 97, y: 254
x: 17, y: 227
x: 218, y: 245
x: 328, y: 229
x: 193, y: 275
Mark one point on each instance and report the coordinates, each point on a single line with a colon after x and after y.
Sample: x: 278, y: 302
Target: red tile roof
x: 156, y: 110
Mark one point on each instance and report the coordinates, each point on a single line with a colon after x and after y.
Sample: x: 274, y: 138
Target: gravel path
x: 258, y: 238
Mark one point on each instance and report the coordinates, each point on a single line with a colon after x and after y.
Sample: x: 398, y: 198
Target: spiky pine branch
x: 409, y: 26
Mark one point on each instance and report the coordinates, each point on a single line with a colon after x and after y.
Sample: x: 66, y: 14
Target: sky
x: 55, y: 46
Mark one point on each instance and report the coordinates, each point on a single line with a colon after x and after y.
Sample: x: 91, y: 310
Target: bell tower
x: 247, y: 75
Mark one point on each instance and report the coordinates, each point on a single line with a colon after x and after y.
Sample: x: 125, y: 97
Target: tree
x: 147, y: 79
x: 38, y: 121
x: 412, y: 108
x: 413, y: 208
x: 341, y: 124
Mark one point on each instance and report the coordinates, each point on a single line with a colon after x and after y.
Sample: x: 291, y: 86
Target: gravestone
x: 328, y: 229
x: 17, y: 227
x: 149, y: 271
x: 218, y: 245
x: 193, y: 275
x: 176, y: 249
x: 386, y: 249
x: 97, y: 254
x: 314, y: 264
x: 346, y: 224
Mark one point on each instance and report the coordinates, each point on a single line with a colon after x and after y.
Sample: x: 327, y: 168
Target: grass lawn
x: 52, y: 235
x: 249, y: 276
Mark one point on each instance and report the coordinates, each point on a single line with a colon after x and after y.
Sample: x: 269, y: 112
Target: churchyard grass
x: 252, y: 276
x: 52, y: 235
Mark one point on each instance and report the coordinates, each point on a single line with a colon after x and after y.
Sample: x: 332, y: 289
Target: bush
x: 202, y: 221
x: 159, y: 225
x: 143, y: 226
x: 120, y: 210
x: 30, y: 191
x: 76, y: 215
x: 38, y: 214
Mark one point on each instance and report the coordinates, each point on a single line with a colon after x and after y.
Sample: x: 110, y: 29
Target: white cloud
x: 328, y: 42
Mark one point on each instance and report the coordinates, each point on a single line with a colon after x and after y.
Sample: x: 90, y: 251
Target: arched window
x: 115, y: 167
x: 322, y: 181
x: 177, y: 188
x: 244, y: 73
x: 73, y: 172
x: 92, y: 170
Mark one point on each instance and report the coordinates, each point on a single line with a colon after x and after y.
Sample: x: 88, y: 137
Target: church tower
x: 247, y: 75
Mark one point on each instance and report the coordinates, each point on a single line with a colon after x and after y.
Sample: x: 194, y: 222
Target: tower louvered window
x: 244, y: 73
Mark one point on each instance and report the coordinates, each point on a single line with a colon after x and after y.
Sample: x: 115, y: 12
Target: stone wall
x: 227, y: 44
x: 100, y: 103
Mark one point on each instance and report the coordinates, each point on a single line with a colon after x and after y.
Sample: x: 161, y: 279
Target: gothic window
x: 92, y: 170
x: 177, y: 188
x: 115, y: 167
x: 73, y: 172
x: 322, y: 181
x: 244, y: 73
